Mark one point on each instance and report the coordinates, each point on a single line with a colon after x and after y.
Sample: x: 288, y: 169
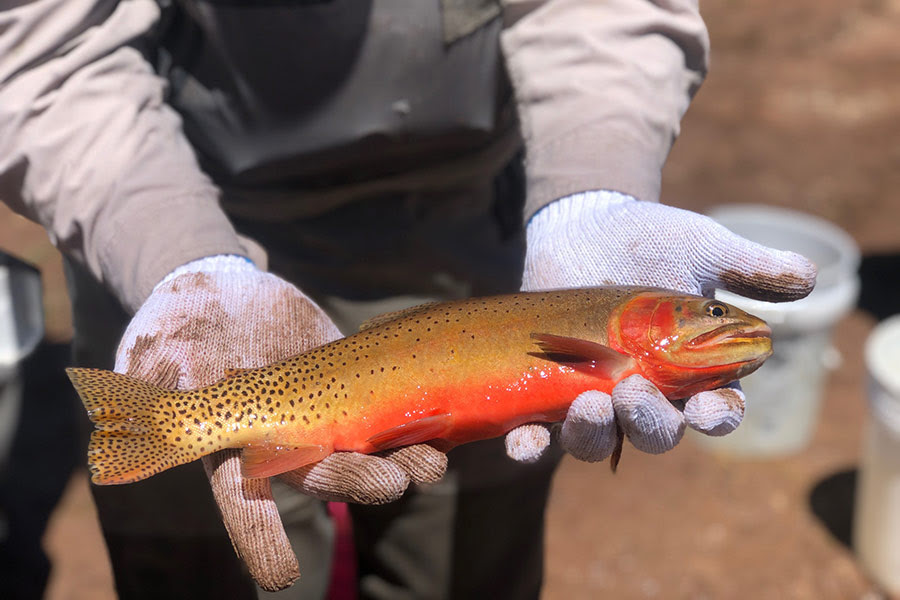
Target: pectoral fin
x: 606, y: 361
x: 414, y: 432
x: 617, y: 452
x: 265, y: 459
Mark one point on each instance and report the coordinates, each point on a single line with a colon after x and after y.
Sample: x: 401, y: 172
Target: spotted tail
x: 132, y: 437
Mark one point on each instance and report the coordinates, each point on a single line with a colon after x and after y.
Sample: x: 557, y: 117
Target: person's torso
x: 312, y: 95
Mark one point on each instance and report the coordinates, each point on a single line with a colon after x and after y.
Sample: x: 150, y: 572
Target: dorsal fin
x: 233, y: 371
x: 395, y: 314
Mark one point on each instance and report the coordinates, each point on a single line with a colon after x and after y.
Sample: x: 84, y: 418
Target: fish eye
x: 716, y: 309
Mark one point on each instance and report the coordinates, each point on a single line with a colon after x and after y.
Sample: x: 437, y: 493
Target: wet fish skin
x: 446, y: 374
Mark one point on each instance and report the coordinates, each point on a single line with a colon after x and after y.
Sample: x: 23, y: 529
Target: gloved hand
x: 604, y: 238
x: 222, y: 312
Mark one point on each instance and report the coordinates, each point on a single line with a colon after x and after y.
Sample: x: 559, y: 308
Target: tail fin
x: 132, y: 438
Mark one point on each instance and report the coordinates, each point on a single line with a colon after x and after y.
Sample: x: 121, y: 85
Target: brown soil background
x: 801, y: 109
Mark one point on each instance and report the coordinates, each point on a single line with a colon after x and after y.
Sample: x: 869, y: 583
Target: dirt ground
x: 801, y: 109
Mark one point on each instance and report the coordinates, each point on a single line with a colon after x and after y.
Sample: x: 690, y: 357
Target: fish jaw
x: 683, y: 347
x: 678, y: 383
x: 735, y: 333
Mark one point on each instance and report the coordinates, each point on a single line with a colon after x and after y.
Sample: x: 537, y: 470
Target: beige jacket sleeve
x: 601, y: 87
x: 89, y: 149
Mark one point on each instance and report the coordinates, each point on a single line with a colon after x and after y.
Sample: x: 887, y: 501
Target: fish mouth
x: 734, y: 333
x: 751, y: 364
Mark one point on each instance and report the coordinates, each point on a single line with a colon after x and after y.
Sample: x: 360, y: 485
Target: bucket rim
x: 884, y: 368
x: 849, y: 255
x: 827, y: 303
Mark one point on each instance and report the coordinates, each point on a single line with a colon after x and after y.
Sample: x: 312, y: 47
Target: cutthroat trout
x: 445, y: 374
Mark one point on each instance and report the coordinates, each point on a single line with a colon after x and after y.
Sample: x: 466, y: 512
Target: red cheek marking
x: 644, y: 328
x: 628, y: 331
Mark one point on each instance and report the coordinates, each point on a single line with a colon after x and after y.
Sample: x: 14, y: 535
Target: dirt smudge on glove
x: 732, y: 399
x: 162, y: 372
x: 767, y: 287
x: 165, y: 374
x: 142, y: 345
x: 196, y: 329
x: 192, y: 281
x: 296, y: 325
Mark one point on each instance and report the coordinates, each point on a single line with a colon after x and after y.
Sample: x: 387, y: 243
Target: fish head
x: 688, y: 344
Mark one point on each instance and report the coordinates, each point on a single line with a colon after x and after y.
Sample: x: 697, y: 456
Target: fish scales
x: 445, y: 373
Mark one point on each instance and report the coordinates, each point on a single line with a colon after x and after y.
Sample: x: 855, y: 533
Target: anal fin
x: 414, y: 432
x: 266, y: 459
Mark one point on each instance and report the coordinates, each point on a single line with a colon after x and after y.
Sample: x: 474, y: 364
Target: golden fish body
x: 443, y: 373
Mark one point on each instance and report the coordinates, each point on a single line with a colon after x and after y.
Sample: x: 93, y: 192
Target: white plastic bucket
x: 784, y: 395
x: 876, y: 528
x: 21, y: 328
x: 21, y: 311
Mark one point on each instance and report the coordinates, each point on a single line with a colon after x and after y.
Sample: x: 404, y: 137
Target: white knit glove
x: 603, y: 238
x: 221, y: 312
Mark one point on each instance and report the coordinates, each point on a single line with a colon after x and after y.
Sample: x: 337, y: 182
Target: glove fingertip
x: 757, y: 271
x: 527, y: 443
x: 350, y: 477
x: 589, y: 431
x: 716, y: 412
x: 252, y: 521
x: 648, y: 419
x: 421, y: 462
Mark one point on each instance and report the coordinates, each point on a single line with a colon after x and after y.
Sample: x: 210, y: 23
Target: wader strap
x: 462, y: 17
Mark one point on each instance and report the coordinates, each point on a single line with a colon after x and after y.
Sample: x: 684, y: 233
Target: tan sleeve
x: 89, y: 149
x: 601, y: 87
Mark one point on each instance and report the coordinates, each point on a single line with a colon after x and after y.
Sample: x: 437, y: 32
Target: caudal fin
x: 130, y: 441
